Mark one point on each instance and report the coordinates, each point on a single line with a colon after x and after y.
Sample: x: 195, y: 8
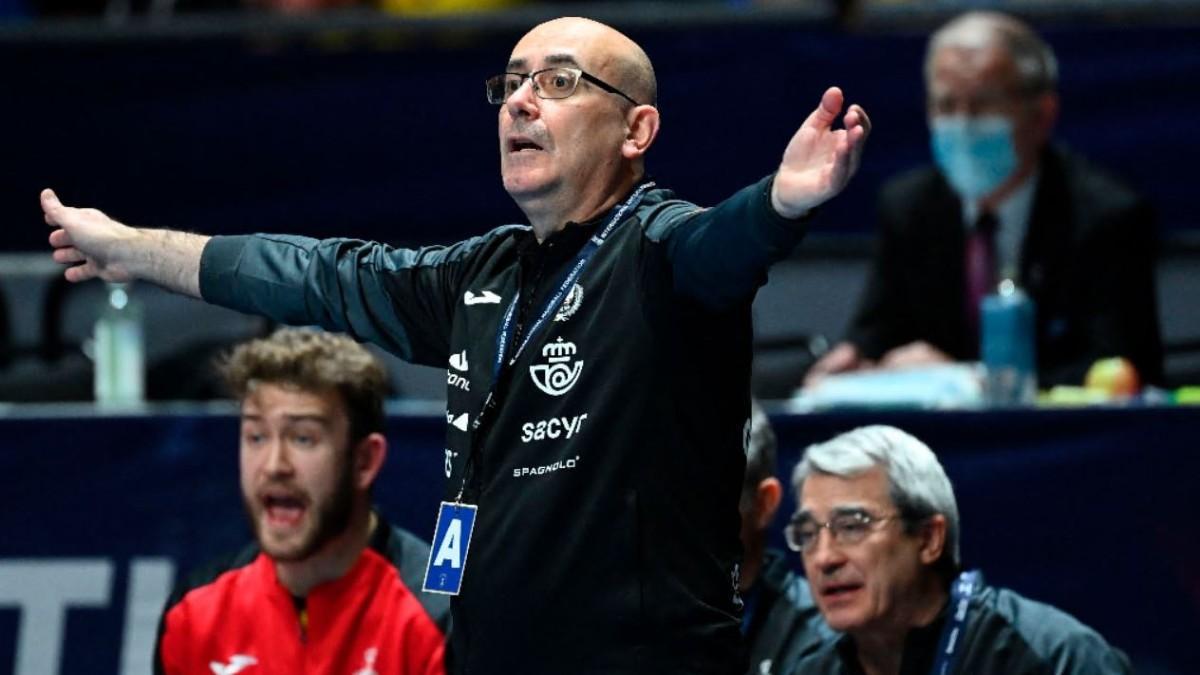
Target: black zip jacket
x: 1004, y: 634
x: 607, y: 472
x: 786, y: 624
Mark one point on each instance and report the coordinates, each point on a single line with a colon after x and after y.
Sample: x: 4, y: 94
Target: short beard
x: 330, y: 519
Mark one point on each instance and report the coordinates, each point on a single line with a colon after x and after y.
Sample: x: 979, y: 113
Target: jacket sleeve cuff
x: 218, y: 269
x: 768, y: 184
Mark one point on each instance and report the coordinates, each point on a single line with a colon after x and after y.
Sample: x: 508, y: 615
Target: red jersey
x: 367, y: 622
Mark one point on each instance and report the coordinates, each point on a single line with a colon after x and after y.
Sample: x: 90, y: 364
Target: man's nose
x: 523, y: 101
x: 278, y: 460
x: 825, y: 554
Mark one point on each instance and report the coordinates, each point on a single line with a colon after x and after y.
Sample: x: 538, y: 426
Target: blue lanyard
x: 952, y: 633
x: 581, y: 260
x: 504, y: 334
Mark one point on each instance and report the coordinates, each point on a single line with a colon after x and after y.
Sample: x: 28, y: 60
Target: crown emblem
x: 559, y: 351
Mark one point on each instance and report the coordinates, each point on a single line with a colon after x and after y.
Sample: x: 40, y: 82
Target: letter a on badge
x: 448, y: 554
x: 448, y: 551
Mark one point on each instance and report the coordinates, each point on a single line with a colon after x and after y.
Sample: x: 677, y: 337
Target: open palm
x: 820, y: 160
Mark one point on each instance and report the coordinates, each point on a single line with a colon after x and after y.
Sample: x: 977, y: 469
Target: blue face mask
x: 975, y: 154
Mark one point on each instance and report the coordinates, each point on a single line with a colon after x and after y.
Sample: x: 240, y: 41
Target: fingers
x: 50, y: 206
x: 80, y: 268
x: 53, y: 210
x: 68, y: 256
x: 856, y: 117
x: 49, y: 200
x: 843, y: 357
x: 65, y: 253
x: 858, y: 127
x: 60, y: 238
x: 827, y: 110
x: 919, y: 353
x: 79, y: 273
x: 898, y: 357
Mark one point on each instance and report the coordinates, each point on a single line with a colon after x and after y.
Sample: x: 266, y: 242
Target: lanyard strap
x: 952, y: 633
x: 504, y: 334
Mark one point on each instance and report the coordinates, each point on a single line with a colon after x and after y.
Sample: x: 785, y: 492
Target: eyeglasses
x: 548, y: 83
x: 847, y: 528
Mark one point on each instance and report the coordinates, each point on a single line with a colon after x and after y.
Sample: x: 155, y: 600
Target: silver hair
x: 1037, y: 66
x: 918, y: 484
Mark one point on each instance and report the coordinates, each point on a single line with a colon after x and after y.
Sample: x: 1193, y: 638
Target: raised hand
x: 820, y: 160
x: 96, y: 246
x: 85, y: 239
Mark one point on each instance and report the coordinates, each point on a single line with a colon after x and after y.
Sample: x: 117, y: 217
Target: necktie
x: 980, y: 266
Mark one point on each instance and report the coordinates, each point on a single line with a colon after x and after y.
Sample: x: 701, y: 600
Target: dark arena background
x: 363, y: 123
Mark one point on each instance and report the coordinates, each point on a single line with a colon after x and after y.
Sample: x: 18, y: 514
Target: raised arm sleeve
x: 400, y: 299
x: 720, y: 255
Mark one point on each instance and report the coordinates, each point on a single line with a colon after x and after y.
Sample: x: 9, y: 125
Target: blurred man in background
x: 877, y: 528
x: 1003, y: 202
x: 330, y: 586
x: 779, y: 618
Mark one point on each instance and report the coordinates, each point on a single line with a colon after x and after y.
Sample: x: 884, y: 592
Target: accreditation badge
x: 448, y: 554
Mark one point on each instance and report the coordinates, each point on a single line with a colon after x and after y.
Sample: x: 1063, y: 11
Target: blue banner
x: 1093, y: 511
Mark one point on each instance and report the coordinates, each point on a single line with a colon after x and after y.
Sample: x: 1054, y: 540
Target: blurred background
x: 371, y: 122
x: 368, y: 120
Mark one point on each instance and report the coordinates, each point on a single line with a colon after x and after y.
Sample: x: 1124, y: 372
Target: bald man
x: 598, y: 360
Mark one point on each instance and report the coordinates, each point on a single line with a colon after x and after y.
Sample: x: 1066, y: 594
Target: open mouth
x: 519, y: 144
x: 835, y: 592
x: 283, y: 510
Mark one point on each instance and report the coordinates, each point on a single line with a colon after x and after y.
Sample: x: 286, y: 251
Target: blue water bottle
x: 1007, y: 347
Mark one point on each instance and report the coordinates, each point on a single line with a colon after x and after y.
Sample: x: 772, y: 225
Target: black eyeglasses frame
x: 580, y: 74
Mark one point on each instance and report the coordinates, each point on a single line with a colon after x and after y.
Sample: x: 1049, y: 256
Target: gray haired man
x: 878, y: 530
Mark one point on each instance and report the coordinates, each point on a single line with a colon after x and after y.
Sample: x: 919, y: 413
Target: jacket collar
x: 568, y: 240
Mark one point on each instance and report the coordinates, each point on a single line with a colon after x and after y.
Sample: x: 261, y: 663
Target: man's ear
x: 642, y: 124
x: 933, y: 538
x: 767, y: 497
x: 369, y: 454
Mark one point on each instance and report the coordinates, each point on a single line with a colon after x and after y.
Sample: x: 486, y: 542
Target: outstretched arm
x: 96, y: 246
x: 820, y: 160
x: 720, y: 255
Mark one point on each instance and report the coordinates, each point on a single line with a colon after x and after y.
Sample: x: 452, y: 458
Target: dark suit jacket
x: 1087, y: 262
